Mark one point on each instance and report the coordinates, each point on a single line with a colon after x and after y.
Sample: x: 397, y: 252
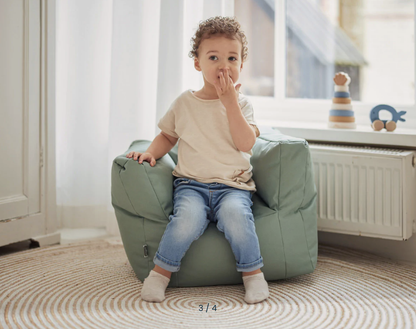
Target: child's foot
x: 256, y: 287
x: 154, y: 287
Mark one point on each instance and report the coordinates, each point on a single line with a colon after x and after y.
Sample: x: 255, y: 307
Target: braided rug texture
x: 91, y: 285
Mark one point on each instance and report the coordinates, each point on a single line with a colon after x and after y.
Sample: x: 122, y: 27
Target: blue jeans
x: 195, y: 206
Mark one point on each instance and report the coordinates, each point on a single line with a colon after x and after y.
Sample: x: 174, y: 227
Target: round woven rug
x: 91, y: 285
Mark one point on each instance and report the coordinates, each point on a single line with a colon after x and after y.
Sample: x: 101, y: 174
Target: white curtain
x: 119, y: 65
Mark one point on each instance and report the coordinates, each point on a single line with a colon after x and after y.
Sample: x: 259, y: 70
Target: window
x: 371, y: 40
x: 257, y: 21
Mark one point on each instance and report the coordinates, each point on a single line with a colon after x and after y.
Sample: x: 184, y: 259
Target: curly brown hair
x: 227, y: 26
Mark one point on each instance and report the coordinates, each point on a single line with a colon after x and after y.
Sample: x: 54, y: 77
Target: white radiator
x: 365, y: 191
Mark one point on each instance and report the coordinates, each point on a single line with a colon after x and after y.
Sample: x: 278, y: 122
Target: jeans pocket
x: 180, y: 181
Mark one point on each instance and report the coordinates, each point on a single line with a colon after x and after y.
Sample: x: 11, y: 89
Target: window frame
x: 280, y: 108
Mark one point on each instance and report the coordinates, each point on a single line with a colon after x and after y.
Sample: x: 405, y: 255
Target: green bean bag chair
x: 284, y: 209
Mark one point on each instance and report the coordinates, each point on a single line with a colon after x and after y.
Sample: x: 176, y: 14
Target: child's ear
x: 196, y: 64
x: 241, y: 68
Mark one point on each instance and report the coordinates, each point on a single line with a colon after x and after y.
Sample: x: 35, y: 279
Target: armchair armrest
x: 140, y: 189
x: 283, y: 171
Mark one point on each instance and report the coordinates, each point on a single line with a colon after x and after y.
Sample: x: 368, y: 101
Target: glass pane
x: 257, y: 21
x: 371, y: 40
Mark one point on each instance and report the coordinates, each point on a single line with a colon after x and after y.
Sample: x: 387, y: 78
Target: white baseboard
x: 400, y: 251
x: 48, y: 239
x: 72, y: 235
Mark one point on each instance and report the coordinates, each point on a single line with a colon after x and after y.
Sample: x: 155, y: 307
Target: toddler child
x: 216, y: 131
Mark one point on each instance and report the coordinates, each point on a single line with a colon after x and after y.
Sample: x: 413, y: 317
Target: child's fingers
x: 151, y: 161
x: 222, y: 80
x: 231, y: 79
x: 218, y: 88
x: 221, y: 84
x: 143, y: 157
x: 216, y: 85
x: 227, y: 77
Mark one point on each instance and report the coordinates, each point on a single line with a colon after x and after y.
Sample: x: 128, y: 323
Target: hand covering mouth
x: 224, y: 75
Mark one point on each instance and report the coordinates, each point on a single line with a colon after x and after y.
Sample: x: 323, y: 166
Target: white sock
x: 154, y: 287
x: 256, y: 287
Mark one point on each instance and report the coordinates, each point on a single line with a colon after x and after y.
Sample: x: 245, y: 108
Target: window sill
x: 363, y: 134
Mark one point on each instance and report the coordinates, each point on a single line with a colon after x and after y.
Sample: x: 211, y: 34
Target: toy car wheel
x: 377, y: 125
x: 391, y: 125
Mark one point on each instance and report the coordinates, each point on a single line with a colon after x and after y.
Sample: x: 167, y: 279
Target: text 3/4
x: 201, y: 308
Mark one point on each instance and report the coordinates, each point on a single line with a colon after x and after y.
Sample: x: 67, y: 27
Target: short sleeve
x: 248, y: 112
x: 247, y: 109
x: 167, y: 122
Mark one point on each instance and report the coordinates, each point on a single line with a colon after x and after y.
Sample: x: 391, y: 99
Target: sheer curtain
x: 119, y: 65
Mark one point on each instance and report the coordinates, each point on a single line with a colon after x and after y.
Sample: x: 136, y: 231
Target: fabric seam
x: 278, y: 210
x: 125, y: 191
x: 145, y: 242
x: 308, y: 162
x: 158, y: 201
x: 304, y: 187
x: 306, y: 238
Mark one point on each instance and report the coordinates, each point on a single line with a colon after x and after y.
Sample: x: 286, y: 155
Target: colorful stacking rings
x: 341, y: 112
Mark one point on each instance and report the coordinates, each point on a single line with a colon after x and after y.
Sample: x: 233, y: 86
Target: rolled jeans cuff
x: 165, y: 264
x: 251, y: 267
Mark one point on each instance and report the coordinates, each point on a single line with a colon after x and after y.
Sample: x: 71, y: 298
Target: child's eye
x: 229, y: 58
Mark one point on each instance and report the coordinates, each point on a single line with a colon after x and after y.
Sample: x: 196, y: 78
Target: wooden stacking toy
x: 341, y: 114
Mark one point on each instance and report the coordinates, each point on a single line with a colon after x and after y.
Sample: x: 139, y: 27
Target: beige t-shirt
x: 206, y: 151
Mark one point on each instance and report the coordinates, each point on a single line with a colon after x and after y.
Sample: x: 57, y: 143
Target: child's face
x: 215, y: 55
